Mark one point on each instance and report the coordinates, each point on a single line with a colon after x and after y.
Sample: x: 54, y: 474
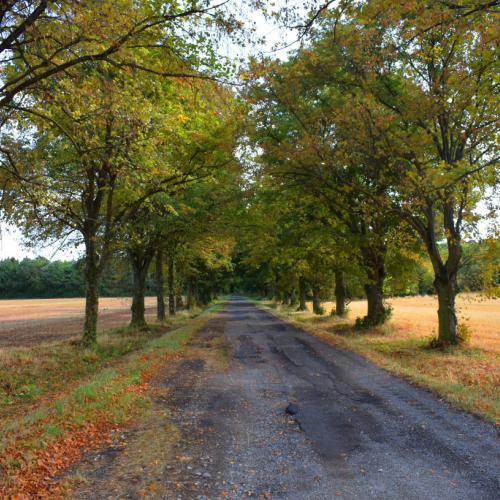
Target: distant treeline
x: 42, y: 278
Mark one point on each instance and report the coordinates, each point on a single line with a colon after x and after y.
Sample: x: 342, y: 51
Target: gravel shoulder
x: 260, y: 409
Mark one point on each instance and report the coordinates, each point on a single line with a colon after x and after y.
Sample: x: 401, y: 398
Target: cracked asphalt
x: 293, y: 418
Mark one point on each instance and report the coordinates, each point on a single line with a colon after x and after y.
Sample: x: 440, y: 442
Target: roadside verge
x: 111, y: 390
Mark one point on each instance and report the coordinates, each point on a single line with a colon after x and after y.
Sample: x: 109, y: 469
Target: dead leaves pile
x: 34, y: 478
x: 27, y: 473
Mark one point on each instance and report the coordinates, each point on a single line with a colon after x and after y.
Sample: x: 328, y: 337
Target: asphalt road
x: 293, y: 418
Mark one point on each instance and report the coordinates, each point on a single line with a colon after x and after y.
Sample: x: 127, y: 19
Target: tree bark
x: 316, y: 300
x: 190, y: 294
x: 374, y: 263
x: 340, y: 293
x: 171, y: 286
x: 204, y: 295
x: 91, y: 300
x: 196, y: 293
x: 445, y: 273
x: 302, y: 294
x: 160, y: 299
x: 138, y: 308
x: 92, y: 278
x: 140, y: 263
x: 376, y: 311
x: 179, y: 303
x: 446, y: 288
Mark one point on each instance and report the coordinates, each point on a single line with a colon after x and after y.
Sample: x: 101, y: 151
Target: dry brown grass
x: 468, y: 376
x: 416, y: 317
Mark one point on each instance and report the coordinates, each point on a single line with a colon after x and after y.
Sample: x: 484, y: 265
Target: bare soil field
x: 28, y: 322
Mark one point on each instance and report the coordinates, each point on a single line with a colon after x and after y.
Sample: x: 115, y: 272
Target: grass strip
x: 30, y: 375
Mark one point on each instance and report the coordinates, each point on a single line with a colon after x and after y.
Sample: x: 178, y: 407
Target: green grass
x: 91, y: 377
x: 27, y: 375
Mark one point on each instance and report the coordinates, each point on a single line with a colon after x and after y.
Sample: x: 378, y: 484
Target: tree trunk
x: 445, y: 273
x: 446, y: 288
x: 179, y: 303
x: 160, y: 299
x: 91, y: 301
x: 92, y: 276
x: 374, y: 290
x: 204, y: 295
x: 286, y: 298
x: 374, y: 264
x: 139, y: 271
x: 376, y: 314
x: 171, y: 287
x: 293, y: 297
x: 196, y: 293
x: 302, y: 294
x: 138, y: 309
x: 317, y: 309
x: 339, y: 293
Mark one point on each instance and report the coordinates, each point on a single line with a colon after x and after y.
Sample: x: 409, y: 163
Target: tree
x: 168, y: 221
x: 43, y: 38
x: 312, y: 135
x: 159, y: 283
x: 433, y: 72
x: 100, y: 149
x: 141, y: 241
x: 200, y: 239
x: 422, y: 87
x: 297, y: 242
